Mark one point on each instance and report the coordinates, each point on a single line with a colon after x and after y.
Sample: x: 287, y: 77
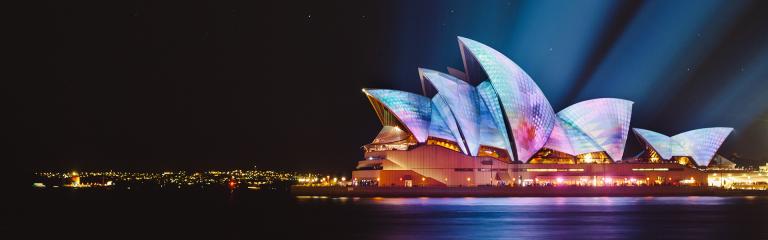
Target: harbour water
x: 247, y: 214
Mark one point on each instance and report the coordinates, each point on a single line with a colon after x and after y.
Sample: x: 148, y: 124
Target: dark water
x: 244, y: 214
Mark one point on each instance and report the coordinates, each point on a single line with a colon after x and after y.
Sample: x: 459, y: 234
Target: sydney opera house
x: 491, y: 125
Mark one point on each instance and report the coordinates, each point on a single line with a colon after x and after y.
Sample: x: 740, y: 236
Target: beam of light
x: 657, y: 51
x: 525, y: 31
x: 431, y: 30
x: 552, y: 41
x: 739, y: 101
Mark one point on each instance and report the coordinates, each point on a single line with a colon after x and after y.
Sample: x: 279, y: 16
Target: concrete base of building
x: 435, y: 166
x: 561, y: 191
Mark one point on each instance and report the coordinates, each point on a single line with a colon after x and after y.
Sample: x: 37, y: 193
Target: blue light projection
x: 700, y: 144
x: 658, y: 50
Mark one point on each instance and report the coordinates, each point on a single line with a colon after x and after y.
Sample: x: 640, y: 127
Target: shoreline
x: 488, y: 191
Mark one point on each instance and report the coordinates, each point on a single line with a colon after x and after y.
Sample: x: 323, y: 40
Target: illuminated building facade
x: 491, y: 125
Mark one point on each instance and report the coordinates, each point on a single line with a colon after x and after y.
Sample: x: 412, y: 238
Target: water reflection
x: 261, y: 215
x: 567, y: 217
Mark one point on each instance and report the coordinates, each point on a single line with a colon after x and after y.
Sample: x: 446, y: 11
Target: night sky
x: 277, y: 84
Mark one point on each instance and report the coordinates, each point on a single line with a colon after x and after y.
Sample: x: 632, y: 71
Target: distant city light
x: 171, y: 179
